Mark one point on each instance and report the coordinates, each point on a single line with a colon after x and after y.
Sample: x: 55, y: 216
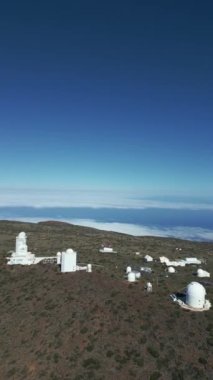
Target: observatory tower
x: 68, y: 261
x: 21, y: 255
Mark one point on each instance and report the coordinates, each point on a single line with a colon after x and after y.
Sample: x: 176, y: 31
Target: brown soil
x: 95, y: 325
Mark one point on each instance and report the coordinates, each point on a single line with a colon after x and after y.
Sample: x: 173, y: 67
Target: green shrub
x: 56, y: 357
x: 91, y: 363
x: 152, y: 351
x: 155, y: 375
x: 90, y: 347
x: 143, y: 340
x: 109, y: 353
x: 202, y: 361
x: 84, y: 330
x: 11, y: 372
x: 178, y: 374
x: 209, y: 341
x: 139, y: 361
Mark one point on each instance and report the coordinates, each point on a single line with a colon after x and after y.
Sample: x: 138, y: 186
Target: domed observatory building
x: 148, y: 258
x: 194, y: 299
x: 68, y: 261
x: 195, y: 295
x: 171, y: 270
x: 21, y: 255
x: 202, y: 273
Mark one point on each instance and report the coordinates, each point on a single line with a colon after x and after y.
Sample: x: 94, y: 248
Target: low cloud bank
x: 180, y: 232
x: 93, y: 199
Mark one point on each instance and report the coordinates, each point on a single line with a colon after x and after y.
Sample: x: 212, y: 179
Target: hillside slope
x: 96, y: 325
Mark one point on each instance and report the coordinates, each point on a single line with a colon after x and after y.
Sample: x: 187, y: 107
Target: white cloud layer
x: 93, y: 199
x: 179, y: 232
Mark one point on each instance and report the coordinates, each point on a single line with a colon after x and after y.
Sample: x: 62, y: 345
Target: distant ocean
x: 178, y: 223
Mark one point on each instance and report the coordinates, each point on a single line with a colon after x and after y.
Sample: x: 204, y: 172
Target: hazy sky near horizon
x: 107, y: 95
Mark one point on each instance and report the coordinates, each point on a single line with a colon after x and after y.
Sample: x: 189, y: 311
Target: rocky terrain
x: 96, y: 325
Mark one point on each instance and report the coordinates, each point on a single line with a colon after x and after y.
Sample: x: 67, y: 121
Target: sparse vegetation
x: 95, y: 326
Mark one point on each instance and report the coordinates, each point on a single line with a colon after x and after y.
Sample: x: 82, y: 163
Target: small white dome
x: 22, y: 235
x: 69, y: 250
x: 171, y: 270
x: 195, y: 295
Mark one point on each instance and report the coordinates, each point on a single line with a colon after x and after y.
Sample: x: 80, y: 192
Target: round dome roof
x: 171, y: 270
x: 195, y: 295
x: 200, y: 271
x: 195, y: 288
x: 22, y: 235
x: 69, y: 250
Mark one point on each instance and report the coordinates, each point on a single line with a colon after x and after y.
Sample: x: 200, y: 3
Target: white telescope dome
x: 68, y: 261
x: 69, y: 250
x: 195, y: 295
x: 148, y: 258
x: 171, y: 270
x: 22, y: 235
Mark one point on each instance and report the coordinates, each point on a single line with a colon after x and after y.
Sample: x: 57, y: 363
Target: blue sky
x: 107, y: 96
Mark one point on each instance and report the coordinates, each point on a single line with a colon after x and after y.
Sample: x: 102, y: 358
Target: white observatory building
x: 148, y: 258
x: 68, y: 261
x: 131, y: 277
x: 21, y: 255
x: 171, y: 269
x: 104, y: 249
x: 195, y: 298
x: 195, y: 295
x: 202, y: 273
x: 149, y: 287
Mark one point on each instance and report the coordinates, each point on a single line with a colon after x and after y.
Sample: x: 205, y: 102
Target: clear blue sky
x: 107, y: 95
